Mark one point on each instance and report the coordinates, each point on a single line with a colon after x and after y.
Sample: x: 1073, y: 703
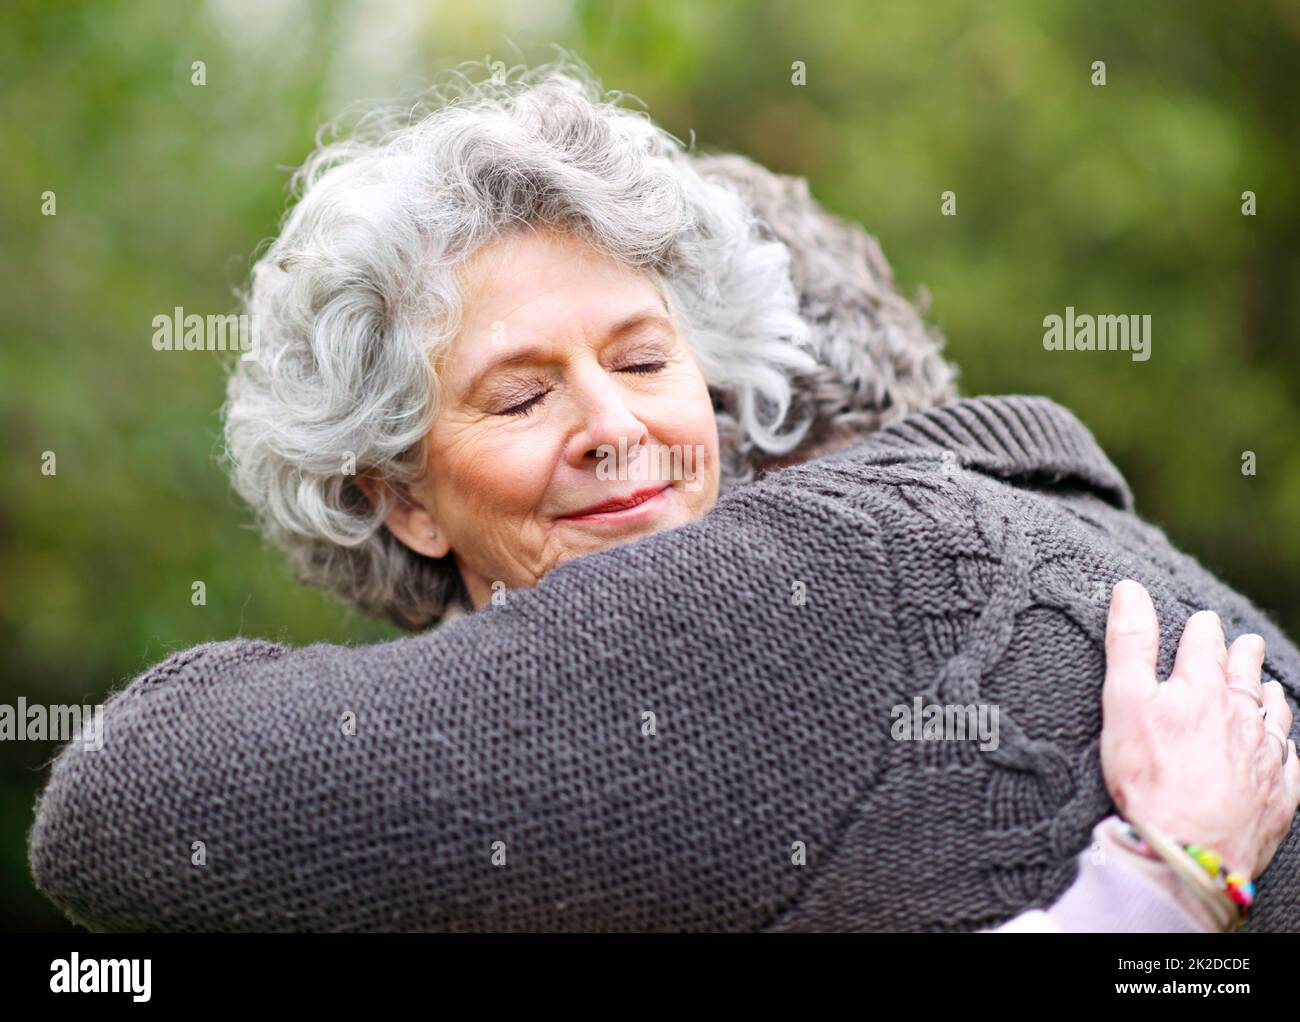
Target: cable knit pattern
x: 963, y: 555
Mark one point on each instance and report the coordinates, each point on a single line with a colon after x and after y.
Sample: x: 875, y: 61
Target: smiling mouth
x: 614, y: 509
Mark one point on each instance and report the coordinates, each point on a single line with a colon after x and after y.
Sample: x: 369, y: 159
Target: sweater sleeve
x: 1115, y: 892
x: 665, y: 735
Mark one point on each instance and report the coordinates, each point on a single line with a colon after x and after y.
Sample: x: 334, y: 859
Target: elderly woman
x: 465, y: 317
x: 526, y: 361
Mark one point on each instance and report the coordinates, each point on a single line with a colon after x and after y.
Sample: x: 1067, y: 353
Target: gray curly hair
x: 792, y: 314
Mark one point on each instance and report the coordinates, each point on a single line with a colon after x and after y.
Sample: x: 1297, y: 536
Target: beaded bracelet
x: 1235, y: 887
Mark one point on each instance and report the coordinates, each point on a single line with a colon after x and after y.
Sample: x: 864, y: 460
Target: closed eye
x: 526, y: 406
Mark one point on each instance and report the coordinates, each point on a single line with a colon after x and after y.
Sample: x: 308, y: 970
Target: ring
x: 1249, y: 692
x: 1274, y: 731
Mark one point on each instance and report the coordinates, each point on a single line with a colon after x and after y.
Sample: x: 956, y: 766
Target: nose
x: 604, y: 419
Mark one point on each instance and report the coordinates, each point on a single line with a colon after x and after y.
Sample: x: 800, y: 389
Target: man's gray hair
x: 791, y: 314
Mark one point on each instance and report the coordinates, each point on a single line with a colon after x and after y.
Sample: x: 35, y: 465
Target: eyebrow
x: 525, y: 356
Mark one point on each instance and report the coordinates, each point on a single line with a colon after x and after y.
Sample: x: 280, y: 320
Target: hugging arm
x: 638, y: 742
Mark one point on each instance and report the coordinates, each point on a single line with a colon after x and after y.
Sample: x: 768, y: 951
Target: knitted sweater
x: 692, y: 731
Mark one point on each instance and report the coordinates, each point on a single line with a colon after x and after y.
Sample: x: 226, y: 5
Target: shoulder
x: 207, y: 660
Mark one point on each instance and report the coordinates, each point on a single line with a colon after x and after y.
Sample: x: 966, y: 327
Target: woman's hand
x: 1191, y: 757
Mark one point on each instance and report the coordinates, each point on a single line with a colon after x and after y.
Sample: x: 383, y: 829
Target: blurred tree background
x: 1122, y: 198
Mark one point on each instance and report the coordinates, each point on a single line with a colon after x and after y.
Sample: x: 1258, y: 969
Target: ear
x: 407, y: 518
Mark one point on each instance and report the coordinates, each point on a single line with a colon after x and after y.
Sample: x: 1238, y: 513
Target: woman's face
x: 567, y: 388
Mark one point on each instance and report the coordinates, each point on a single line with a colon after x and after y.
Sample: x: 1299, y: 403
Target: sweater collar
x: 1011, y: 437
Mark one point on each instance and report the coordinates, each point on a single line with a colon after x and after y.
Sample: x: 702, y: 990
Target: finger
x: 1279, y: 710
x: 1202, y: 657
x: 1291, y: 781
x: 1245, y: 660
x: 1283, y: 802
x: 1132, y: 644
x: 1277, y: 720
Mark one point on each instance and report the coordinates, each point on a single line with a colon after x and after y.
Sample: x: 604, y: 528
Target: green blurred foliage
x: 1123, y: 198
